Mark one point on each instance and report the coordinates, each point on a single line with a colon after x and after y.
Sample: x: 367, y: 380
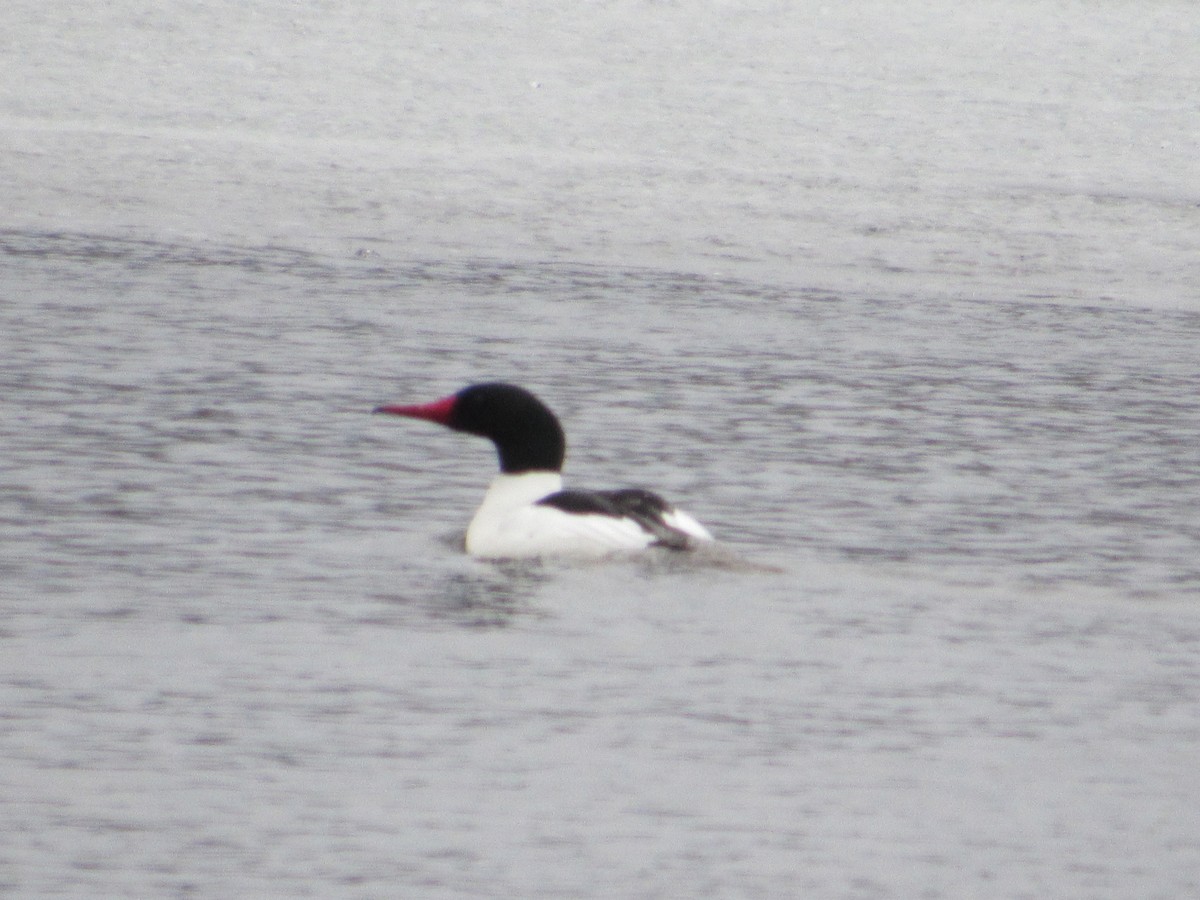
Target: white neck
x: 506, y: 494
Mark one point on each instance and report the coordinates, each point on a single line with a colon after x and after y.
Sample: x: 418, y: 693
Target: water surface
x: 903, y: 306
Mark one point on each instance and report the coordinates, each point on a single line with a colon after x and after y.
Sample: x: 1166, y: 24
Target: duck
x: 526, y: 511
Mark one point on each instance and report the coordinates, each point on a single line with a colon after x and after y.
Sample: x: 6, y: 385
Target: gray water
x: 903, y: 307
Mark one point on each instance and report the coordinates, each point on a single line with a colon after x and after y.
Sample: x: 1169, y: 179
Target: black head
x: 526, y: 434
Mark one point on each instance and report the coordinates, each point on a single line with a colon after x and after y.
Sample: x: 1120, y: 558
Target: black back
x: 642, y: 506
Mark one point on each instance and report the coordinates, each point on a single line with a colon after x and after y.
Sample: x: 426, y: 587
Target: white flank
x: 509, y: 524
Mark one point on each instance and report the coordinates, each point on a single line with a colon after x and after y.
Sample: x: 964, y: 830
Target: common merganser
x: 526, y: 512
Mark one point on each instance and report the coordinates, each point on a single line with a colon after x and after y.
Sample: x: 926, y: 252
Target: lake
x: 903, y: 305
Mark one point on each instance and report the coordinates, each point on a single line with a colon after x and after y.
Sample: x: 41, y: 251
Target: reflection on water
x: 492, y: 597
